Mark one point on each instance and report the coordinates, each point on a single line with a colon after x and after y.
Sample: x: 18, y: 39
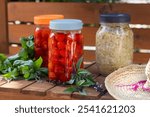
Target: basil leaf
x: 38, y: 63
x: 78, y: 65
x: 79, y: 83
x: 70, y: 90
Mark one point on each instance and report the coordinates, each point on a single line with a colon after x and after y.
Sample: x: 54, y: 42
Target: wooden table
x: 23, y: 89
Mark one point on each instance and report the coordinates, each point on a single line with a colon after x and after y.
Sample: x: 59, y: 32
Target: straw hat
x: 116, y: 83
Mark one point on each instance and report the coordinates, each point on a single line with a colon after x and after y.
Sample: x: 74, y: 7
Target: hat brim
x: 119, y: 83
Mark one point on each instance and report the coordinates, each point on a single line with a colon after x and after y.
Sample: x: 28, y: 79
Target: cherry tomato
x: 60, y: 36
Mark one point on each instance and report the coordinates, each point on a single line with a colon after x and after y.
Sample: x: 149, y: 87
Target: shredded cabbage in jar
x: 114, y: 47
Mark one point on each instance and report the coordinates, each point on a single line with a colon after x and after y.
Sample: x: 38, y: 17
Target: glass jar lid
x: 66, y: 24
x: 45, y: 19
x: 115, y: 18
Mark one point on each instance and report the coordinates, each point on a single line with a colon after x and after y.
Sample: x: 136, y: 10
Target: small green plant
x: 22, y: 64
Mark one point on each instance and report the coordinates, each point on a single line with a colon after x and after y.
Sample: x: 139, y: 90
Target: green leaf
x: 23, y: 41
x: 78, y: 65
x: 70, y: 90
x: 30, y: 43
x: 38, y: 63
x: 2, y: 57
x: 83, y: 92
x: 71, y: 81
x: 83, y: 71
x: 79, y: 83
x: 43, y: 70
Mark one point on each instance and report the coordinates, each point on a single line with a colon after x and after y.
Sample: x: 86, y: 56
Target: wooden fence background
x: 89, y: 13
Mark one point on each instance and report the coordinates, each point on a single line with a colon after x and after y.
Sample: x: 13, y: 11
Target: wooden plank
x: 15, y: 86
x: 13, y: 50
x: 142, y: 38
x: 139, y: 12
x: 3, y: 27
x: 2, y: 82
x: 58, y: 93
x: 17, y: 31
x: 69, y: 10
x: 19, y: 96
x: 141, y: 58
x: 38, y: 88
x: 92, y: 94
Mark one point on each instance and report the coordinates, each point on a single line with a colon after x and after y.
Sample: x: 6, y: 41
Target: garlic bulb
x: 147, y: 72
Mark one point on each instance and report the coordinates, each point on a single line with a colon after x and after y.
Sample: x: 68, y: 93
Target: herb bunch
x: 23, y: 64
x: 80, y: 79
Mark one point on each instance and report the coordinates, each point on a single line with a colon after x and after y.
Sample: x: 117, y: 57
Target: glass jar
x: 41, y: 36
x: 114, y: 43
x: 65, y: 48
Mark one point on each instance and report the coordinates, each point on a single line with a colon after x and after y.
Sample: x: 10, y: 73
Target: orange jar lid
x: 45, y: 19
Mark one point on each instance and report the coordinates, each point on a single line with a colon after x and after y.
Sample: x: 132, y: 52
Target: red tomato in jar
x: 61, y: 45
x: 45, y: 33
x: 50, y: 66
x: 62, y: 53
x: 79, y: 38
x: 60, y: 37
x: 59, y: 69
x: 52, y: 75
x: 62, y: 61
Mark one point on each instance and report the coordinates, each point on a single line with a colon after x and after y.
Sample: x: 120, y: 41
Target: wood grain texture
x: 38, y: 88
x: 92, y: 94
x: 69, y: 10
x: 2, y: 82
x: 139, y: 12
x: 3, y: 27
x: 58, y: 93
x: 141, y: 58
x: 15, y: 86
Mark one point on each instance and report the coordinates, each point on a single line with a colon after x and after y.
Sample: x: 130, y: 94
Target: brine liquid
x: 64, y: 51
x: 41, y: 44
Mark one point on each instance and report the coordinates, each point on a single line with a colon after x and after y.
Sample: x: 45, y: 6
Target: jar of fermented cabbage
x: 114, y: 43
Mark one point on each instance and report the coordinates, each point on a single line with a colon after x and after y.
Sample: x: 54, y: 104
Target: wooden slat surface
x: 15, y: 86
x: 69, y: 10
x: 3, y: 27
x: 38, y: 88
x: 141, y: 58
x: 139, y: 12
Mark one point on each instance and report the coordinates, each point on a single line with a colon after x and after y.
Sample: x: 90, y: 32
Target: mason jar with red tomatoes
x: 41, y: 36
x: 65, y: 48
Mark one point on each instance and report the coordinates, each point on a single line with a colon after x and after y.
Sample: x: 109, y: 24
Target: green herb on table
x: 80, y: 79
x: 22, y: 64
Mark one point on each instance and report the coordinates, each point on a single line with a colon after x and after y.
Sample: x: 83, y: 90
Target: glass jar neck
x: 115, y: 24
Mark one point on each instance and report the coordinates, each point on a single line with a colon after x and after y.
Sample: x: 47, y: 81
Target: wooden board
x: 38, y: 88
x: 15, y: 86
x: 69, y: 10
x: 3, y: 27
x: 139, y: 12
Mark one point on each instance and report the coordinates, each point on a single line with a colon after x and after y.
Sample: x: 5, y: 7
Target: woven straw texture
x: 126, y: 76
